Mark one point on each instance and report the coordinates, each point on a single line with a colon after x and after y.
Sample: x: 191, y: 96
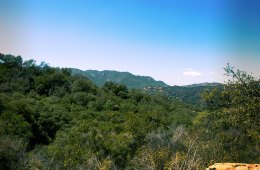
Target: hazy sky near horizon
x: 177, y: 41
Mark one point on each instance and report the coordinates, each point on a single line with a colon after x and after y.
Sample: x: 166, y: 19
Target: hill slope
x: 190, y: 94
x: 131, y: 81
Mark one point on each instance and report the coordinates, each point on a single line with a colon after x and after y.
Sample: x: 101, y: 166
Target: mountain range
x: 131, y: 81
x: 189, y: 93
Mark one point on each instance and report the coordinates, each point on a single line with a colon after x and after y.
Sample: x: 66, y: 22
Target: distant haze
x: 179, y: 42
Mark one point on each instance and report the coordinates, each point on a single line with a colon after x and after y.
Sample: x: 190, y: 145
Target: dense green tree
x: 232, y: 121
x: 83, y: 85
x: 12, y: 152
x: 117, y: 89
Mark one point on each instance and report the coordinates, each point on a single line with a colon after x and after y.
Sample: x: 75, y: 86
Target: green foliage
x: 14, y: 125
x: 83, y: 85
x: 116, y: 89
x: 50, y: 83
x: 233, y: 119
x: 50, y: 119
x: 166, y: 150
x: 12, y: 152
x: 11, y: 61
x: 189, y: 94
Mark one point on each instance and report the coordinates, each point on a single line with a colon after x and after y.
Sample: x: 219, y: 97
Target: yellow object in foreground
x: 234, y: 166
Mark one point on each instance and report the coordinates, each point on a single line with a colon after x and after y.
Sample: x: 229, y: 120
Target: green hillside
x: 189, y: 94
x: 125, y: 78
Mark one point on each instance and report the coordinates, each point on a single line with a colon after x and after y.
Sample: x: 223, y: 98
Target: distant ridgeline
x: 190, y: 93
x: 131, y: 81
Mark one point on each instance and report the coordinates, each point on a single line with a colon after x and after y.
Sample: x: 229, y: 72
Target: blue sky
x: 177, y: 41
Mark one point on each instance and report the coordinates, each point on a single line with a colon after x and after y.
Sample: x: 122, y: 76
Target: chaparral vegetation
x: 51, y: 119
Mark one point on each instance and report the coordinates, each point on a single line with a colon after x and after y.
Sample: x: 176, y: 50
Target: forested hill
x: 125, y: 78
x: 189, y: 94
